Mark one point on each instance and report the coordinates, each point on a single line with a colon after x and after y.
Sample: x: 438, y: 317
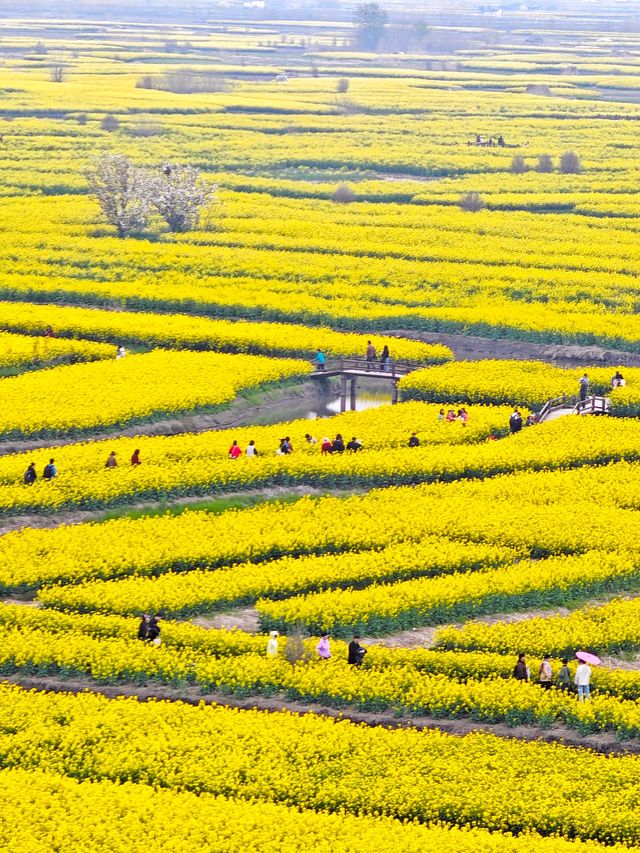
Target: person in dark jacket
x: 414, y: 441
x: 515, y: 421
x: 50, y: 471
x: 337, y: 445
x: 30, y: 475
x: 521, y: 670
x: 385, y: 358
x: 356, y: 652
x: 153, y: 630
x: 135, y: 458
x: 354, y: 445
x: 143, y: 627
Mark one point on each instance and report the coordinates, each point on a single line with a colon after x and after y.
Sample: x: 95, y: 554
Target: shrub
x: 110, y: 123
x: 570, y: 163
x: 471, y: 202
x: 343, y: 86
x: 518, y: 165
x: 544, y: 164
x: 344, y: 194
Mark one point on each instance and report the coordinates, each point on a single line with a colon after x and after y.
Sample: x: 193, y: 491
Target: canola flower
x: 384, y: 608
x: 176, y: 331
x: 540, y: 522
x: 86, y: 816
x: 114, y: 393
x: 477, y: 779
x: 199, y: 464
x: 522, y: 383
x: 25, y: 352
x: 607, y: 629
x: 200, y: 591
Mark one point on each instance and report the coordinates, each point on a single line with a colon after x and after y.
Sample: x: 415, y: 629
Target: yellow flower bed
x: 199, y: 463
x: 84, y: 397
x: 521, y: 383
x: 542, y: 520
x: 201, y: 333
x: 427, y: 775
x: 197, y: 591
x: 605, y: 629
x: 385, y: 608
x: 23, y: 351
x: 85, y: 816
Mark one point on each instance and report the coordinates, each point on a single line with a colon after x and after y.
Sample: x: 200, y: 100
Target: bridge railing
x: 593, y: 405
x: 564, y: 401
x: 392, y: 368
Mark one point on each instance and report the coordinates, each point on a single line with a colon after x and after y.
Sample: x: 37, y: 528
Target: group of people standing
x: 581, y: 678
x: 355, y: 654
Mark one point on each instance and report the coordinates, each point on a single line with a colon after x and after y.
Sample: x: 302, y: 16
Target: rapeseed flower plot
x: 88, y: 815
x: 23, y: 351
x: 198, y: 591
x: 199, y: 333
x: 118, y: 392
x: 424, y: 775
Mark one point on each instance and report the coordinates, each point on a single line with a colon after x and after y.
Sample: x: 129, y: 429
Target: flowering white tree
x: 179, y: 196
x: 122, y: 190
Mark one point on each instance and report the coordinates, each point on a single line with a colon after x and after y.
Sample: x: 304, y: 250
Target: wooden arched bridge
x: 573, y: 405
x: 349, y: 370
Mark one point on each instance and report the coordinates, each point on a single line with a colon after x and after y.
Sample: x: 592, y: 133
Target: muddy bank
x: 473, y: 348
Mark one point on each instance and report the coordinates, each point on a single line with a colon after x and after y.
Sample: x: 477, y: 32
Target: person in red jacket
x: 234, y: 451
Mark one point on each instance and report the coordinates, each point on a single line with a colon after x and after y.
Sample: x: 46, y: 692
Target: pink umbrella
x: 587, y: 657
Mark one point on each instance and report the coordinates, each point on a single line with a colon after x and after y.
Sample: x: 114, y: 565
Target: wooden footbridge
x: 349, y: 370
x: 573, y: 405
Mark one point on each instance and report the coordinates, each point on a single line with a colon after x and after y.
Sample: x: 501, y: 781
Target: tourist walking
x: 356, y: 652
x: 385, y: 359
x: 143, y: 627
x: 618, y: 380
x: 272, y: 644
x: 545, y: 673
x: 30, y: 475
x: 153, y: 630
x: 371, y: 355
x: 50, y: 471
x: 515, y: 421
x: 310, y: 439
x: 564, y: 676
x: 111, y: 462
x: 121, y: 352
x: 326, y: 446
x: 234, y: 450
x: 320, y: 360
x: 337, y: 445
x: 251, y: 450
x: 521, y: 670
x: 582, y: 680
x: 135, y: 457
x: 584, y: 386
x: 324, y: 647
x: 414, y: 441
x: 354, y: 445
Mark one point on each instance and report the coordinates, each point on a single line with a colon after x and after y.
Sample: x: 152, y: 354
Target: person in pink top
x: 324, y: 648
x: 234, y: 451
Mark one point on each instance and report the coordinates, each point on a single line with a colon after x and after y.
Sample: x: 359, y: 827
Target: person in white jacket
x: 582, y: 680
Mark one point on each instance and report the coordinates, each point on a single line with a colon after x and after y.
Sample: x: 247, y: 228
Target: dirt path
x: 17, y: 522
x: 604, y: 742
